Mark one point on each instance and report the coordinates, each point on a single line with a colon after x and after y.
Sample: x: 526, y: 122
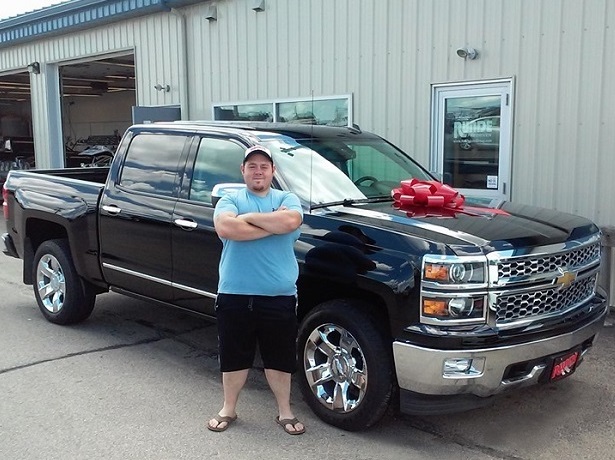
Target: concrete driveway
x: 138, y: 381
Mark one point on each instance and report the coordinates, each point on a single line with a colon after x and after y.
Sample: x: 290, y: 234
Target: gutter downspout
x: 183, y: 66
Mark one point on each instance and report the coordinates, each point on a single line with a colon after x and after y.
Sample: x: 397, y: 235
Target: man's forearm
x: 276, y: 222
x: 238, y: 229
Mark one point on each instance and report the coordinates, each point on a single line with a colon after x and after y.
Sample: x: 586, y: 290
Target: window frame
x: 193, y: 160
x: 276, y: 102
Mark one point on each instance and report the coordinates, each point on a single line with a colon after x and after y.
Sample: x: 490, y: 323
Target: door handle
x: 112, y: 209
x: 186, y: 224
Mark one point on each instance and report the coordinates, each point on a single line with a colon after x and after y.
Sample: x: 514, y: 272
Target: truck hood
x: 506, y: 226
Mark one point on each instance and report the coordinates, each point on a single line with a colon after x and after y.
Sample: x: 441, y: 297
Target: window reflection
x: 335, y: 169
x: 218, y: 161
x: 244, y: 112
x: 472, y: 141
x: 333, y: 111
x: 151, y: 163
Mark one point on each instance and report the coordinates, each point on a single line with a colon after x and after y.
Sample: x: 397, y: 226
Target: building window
x: 244, y: 112
x: 330, y: 111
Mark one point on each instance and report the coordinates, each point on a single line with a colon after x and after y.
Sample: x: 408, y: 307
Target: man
x: 257, y: 293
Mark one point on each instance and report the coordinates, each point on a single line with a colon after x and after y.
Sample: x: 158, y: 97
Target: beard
x: 259, y: 186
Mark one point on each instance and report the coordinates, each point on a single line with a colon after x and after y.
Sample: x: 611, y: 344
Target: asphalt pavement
x: 139, y: 381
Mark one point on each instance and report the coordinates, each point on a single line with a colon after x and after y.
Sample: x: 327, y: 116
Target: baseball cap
x: 258, y: 149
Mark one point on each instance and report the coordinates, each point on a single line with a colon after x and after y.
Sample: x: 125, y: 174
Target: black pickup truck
x: 433, y: 306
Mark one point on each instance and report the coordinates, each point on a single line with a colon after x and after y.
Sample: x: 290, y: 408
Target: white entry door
x: 471, y: 137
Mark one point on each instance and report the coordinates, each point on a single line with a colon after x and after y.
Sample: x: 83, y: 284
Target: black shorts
x: 247, y: 320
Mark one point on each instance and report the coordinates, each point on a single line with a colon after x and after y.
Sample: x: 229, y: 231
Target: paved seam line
x: 463, y: 442
x: 80, y: 353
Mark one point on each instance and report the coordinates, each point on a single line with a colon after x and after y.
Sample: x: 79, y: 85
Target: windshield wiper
x: 350, y: 202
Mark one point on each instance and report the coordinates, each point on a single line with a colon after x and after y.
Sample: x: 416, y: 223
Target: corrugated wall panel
x: 388, y: 54
x: 154, y: 40
x: 594, y: 134
x: 603, y: 115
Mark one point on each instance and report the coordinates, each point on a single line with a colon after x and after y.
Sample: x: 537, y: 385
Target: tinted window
x: 151, y: 163
x: 218, y: 161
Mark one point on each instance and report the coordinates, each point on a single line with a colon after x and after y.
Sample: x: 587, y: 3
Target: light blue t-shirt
x: 266, y: 266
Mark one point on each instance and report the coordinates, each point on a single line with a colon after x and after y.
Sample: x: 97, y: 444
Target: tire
x: 61, y: 294
x: 346, y: 369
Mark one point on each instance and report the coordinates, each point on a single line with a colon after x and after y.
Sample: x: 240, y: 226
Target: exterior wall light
x: 211, y: 13
x: 34, y: 68
x: 467, y: 53
x: 258, y: 5
x: 165, y: 88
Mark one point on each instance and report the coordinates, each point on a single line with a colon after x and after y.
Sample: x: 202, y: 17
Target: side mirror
x: 220, y: 190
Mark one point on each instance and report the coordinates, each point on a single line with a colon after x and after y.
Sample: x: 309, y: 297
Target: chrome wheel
x: 50, y: 283
x: 335, y: 368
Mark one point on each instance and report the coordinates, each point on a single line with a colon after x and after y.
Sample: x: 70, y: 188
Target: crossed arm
x: 255, y: 225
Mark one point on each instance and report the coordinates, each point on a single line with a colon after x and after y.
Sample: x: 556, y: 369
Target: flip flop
x: 290, y: 421
x: 220, y: 419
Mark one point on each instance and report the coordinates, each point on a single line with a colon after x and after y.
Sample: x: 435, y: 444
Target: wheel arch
x: 314, y: 291
x: 38, y: 231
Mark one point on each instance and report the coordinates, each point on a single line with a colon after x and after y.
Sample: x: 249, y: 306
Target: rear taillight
x: 5, y: 203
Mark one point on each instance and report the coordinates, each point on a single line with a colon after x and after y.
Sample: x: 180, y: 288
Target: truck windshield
x: 340, y: 169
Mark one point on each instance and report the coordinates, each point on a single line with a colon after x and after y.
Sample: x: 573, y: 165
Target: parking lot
x: 139, y: 381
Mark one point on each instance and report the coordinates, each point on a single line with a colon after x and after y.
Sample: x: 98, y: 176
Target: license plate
x: 564, y: 365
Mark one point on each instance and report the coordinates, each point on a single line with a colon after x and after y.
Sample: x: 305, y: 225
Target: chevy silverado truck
x: 410, y: 296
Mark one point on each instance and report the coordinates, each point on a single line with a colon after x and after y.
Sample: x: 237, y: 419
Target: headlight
x: 453, y: 271
x: 456, y: 309
x: 454, y: 289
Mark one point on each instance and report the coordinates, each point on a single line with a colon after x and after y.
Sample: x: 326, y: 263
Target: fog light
x: 463, y: 368
x: 457, y: 365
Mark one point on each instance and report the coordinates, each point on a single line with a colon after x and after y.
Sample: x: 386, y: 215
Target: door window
x: 217, y: 161
x: 151, y: 162
x: 470, y: 149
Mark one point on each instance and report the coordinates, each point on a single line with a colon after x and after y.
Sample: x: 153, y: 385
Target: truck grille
x: 550, y: 264
x: 528, y: 285
x: 548, y: 301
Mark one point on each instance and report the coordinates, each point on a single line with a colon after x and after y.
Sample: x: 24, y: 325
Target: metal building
x: 506, y: 99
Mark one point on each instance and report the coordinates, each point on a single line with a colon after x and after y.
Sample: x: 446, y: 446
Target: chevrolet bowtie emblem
x: 565, y: 279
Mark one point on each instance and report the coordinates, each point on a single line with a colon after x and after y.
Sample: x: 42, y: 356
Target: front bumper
x: 9, y: 247
x: 421, y: 370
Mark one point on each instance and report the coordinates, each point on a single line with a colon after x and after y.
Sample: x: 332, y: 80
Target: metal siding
x: 387, y: 54
x: 603, y: 115
x: 154, y: 40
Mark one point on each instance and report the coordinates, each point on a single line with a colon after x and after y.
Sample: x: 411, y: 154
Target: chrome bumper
x: 421, y: 370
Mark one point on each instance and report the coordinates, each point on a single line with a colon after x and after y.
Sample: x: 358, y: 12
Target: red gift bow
x: 415, y: 194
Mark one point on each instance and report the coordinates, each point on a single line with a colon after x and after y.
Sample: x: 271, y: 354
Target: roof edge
x: 75, y: 15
